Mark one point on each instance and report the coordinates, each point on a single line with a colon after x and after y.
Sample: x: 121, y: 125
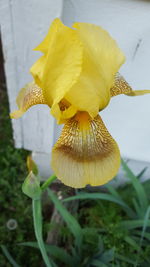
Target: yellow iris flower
x: 76, y: 77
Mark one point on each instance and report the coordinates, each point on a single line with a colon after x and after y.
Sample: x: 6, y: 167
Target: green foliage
x: 113, y: 218
x: 13, y: 204
x: 58, y: 253
x: 141, y: 201
x: 107, y: 228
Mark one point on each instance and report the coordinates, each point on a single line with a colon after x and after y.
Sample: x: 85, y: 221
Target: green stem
x: 48, y: 182
x: 37, y: 219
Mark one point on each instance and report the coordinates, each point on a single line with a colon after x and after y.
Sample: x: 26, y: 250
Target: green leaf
x: 8, y: 256
x: 113, y: 191
x: 102, y: 196
x: 141, y: 195
x: 137, y: 207
x: 145, y: 235
x: 124, y: 258
x: 132, y: 224
x: 54, y: 251
x: 142, y: 173
x: 137, y: 240
x: 108, y: 255
x: 132, y: 242
x: 76, y: 256
x: 70, y: 220
x: 48, y: 182
x: 103, y: 258
x: 98, y: 263
x: 126, y: 208
x: 100, y: 245
x: 145, y: 224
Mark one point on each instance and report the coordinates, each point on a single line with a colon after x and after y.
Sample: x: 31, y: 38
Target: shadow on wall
x: 2, y: 73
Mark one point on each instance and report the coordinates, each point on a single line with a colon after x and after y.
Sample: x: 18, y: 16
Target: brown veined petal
x: 85, y: 153
x: 28, y: 96
x: 122, y: 87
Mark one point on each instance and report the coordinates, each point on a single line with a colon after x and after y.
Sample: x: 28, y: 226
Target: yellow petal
x: 59, y: 68
x: 28, y: 96
x: 122, y: 87
x: 101, y: 60
x: 37, y: 70
x: 85, y: 153
x: 44, y: 45
x: 63, y: 112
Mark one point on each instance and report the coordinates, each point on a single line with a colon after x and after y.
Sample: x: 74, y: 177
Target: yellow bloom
x: 76, y: 77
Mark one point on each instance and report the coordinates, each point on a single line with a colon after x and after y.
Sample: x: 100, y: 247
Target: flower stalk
x: 31, y: 187
x: 37, y: 220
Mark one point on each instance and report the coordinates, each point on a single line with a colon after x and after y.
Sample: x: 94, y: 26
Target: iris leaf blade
x: 124, y: 259
x: 132, y: 243
x: 133, y: 224
x: 8, y: 256
x: 102, y: 196
x: 54, y: 251
x: 70, y: 220
x: 141, y: 194
x: 145, y: 224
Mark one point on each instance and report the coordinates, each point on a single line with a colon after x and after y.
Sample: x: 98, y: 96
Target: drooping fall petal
x: 85, y: 153
x: 28, y: 96
x: 122, y: 87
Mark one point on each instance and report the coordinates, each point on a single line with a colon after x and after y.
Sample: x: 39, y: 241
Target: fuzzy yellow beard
x: 85, y: 153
